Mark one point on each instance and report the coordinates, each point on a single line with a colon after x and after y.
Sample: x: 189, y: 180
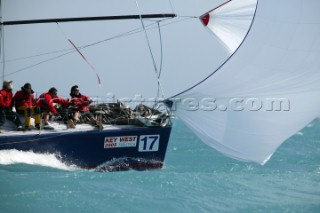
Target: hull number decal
x: 149, y: 143
x: 120, y: 141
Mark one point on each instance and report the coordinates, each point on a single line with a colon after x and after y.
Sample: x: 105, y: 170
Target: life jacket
x: 22, y: 98
x: 45, y: 102
x: 81, y: 101
x: 6, y: 98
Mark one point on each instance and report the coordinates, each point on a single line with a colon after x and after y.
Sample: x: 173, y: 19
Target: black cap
x: 53, y: 90
x: 27, y: 86
x: 75, y: 87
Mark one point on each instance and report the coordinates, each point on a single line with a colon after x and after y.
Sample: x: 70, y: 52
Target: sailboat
x: 126, y: 138
x: 265, y: 91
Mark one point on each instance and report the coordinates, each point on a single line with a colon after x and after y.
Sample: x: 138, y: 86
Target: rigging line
x: 37, y: 55
x: 171, y: 6
x: 128, y: 33
x: 161, y: 49
x: 80, y: 47
x: 72, y: 50
x: 131, y: 32
x: 147, y: 39
x: 161, y: 57
x: 41, y: 62
x: 82, y: 56
x: 158, y: 78
x: 221, y: 5
x: 150, y: 50
x: 196, y: 17
x: 56, y: 57
x: 64, y: 50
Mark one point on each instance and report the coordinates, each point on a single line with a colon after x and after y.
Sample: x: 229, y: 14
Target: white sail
x: 230, y: 22
x: 278, y: 62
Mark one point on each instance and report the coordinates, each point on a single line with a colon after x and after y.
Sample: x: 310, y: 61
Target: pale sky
x: 190, y: 51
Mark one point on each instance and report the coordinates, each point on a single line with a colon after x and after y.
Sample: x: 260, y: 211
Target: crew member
x: 25, y: 104
x: 6, y: 104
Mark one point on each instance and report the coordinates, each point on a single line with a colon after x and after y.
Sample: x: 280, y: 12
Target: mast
x: 2, y: 42
x: 96, y: 18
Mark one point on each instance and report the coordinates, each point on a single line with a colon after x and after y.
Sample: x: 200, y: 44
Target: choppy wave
x: 124, y: 163
x: 195, y: 178
x: 13, y: 156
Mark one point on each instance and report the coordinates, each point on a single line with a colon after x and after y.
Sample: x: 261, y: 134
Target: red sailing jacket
x: 45, y: 102
x: 6, y: 98
x: 23, y: 99
x: 81, y: 101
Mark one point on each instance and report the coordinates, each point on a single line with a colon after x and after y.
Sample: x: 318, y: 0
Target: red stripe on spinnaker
x: 219, y: 6
x: 205, y: 18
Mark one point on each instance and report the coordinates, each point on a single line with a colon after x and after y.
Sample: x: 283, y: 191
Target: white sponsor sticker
x: 120, y: 141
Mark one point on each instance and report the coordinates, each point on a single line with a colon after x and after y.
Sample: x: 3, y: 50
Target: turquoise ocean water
x: 195, y: 178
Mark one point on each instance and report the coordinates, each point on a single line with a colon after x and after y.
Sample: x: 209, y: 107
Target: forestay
x: 267, y: 90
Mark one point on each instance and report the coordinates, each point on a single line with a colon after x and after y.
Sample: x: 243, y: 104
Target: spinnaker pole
x: 96, y: 18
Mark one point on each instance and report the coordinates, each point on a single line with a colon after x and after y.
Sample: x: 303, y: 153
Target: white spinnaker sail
x: 279, y: 60
x: 230, y: 22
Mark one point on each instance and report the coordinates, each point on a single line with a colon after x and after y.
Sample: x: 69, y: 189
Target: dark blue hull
x: 111, y: 149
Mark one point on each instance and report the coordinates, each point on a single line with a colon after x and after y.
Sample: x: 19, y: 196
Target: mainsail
x: 268, y: 89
